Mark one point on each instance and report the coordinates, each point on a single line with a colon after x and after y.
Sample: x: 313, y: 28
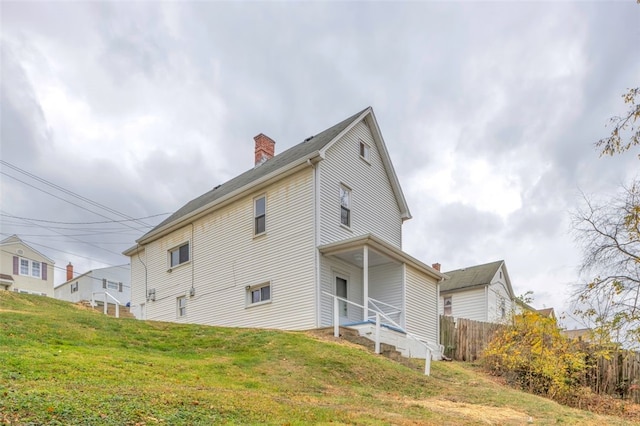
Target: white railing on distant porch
x: 378, y: 323
x: 106, y: 296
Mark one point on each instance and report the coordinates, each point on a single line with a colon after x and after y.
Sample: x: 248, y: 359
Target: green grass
x: 62, y: 364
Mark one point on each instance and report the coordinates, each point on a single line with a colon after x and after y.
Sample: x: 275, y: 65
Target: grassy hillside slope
x: 64, y: 364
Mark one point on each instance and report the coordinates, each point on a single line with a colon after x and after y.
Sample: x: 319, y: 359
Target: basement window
x: 259, y: 294
x: 182, y: 306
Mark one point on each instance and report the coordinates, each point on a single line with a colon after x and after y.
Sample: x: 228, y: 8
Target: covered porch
x: 365, y: 277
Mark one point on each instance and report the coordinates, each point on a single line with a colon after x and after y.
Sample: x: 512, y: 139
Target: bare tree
x: 625, y: 134
x: 609, y: 234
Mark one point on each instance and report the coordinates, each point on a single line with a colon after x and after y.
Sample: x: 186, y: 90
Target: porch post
x: 365, y: 281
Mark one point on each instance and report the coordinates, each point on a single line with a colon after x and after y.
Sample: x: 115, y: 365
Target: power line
x: 66, y: 191
x: 87, y: 223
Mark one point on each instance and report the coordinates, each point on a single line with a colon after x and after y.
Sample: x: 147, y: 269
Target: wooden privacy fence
x: 616, y: 374
x: 464, y: 339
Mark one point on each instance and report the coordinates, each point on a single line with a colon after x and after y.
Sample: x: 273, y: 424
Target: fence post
x: 377, y: 349
x: 105, y: 303
x: 336, y: 318
x: 427, y: 363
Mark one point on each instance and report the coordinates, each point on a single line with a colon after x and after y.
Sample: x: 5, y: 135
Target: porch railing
x: 378, y: 317
x: 375, y: 304
x: 106, y: 296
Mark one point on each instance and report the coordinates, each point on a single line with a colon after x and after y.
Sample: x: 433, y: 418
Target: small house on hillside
x: 24, y: 269
x: 304, y: 239
x: 115, y: 280
x: 479, y: 293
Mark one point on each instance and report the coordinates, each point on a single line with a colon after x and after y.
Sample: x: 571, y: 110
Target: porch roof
x: 381, y: 247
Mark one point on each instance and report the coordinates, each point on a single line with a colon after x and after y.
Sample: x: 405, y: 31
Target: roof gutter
x: 222, y: 201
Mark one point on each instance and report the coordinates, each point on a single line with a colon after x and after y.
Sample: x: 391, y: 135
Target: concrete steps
x: 353, y: 336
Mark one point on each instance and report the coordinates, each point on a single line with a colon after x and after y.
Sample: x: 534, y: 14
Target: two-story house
x: 479, y: 293
x: 115, y: 280
x: 24, y: 269
x: 304, y: 237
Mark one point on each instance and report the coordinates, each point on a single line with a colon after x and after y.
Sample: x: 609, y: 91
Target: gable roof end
x: 473, y: 276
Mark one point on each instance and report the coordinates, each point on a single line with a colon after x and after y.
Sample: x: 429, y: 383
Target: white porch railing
x: 378, y: 323
x: 376, y: 308
x: 106, y: 296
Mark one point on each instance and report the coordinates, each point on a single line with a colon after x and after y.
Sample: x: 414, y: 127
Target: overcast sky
x: 489, y: 111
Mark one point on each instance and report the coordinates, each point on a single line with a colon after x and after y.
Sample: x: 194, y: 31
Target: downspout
x: 192, y: 291
x: 316, y: 240
x: 146, y: 289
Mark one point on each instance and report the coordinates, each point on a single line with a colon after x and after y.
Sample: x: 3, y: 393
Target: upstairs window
x: 179, y: 255
x: 448, y: 306
x: 30, y: 268
x: 74, y: 287
x: 345, y: 206
x: 259, y: 215
x: 365, y: 151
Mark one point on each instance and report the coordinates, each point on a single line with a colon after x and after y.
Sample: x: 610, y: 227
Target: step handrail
x: 336, y: 329
x: 106, y: 294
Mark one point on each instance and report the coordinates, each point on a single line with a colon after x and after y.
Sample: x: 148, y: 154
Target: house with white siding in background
x: 305, y: 239
x: 24, y: 269
x: 93, y: 284
x: 479, y: 293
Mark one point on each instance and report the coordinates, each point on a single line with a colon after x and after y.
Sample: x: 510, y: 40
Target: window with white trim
x: 181, y: 304
x: 179, y: 255
x: 260, y: 215
x: 259, y: 294
x: 345, y: 205
x: 448, y: 306
x: 74, y: 287
x: 503, y: 308
x: 112, y: 285
x: 30, y: 268
x: 365, y: 151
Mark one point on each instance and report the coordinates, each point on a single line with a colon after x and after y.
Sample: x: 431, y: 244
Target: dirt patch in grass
x: 474, y: 412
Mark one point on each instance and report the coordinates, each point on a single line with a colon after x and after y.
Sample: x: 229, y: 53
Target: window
x: 179, y: 255
x: 447, y: 306
x: 182, y: 306
x: 74, y: 287
x: 112, y: 285
x: 30, y: 268
x: 364, y: 151
x: 259, y: 214
x: 259, y: 294
x: 345, y: 206
x: 503, y: 309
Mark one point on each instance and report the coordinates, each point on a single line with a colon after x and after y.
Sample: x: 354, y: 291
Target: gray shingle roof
x: 470, y: 277
x: 301, y: 150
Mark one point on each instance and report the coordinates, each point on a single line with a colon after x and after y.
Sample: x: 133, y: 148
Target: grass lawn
x: 65, y: 364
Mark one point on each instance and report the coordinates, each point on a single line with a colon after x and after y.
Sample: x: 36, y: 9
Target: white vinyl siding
x: 385, y: 284
x: 422, y: 311
x: 373, y: 204
x: 329, y: 268
x: 498, y: 293
x: 470, y: 304
x: 116, y: 277
x: 226, y: 258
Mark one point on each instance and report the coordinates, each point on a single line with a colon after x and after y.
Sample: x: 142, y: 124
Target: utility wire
x: 87, y: 223
x: 66, y: 191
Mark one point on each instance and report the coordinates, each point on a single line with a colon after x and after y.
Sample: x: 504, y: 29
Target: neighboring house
x: 24, y: 269
x: 547, y: 313
x: 273, y: 246
x: 115, y: 280
x: 579, y: 334
x: 480, y: 293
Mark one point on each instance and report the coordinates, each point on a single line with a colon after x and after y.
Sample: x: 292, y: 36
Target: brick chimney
x: 69, y: 272
x: 265, y: 148
x: 436, y: 266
